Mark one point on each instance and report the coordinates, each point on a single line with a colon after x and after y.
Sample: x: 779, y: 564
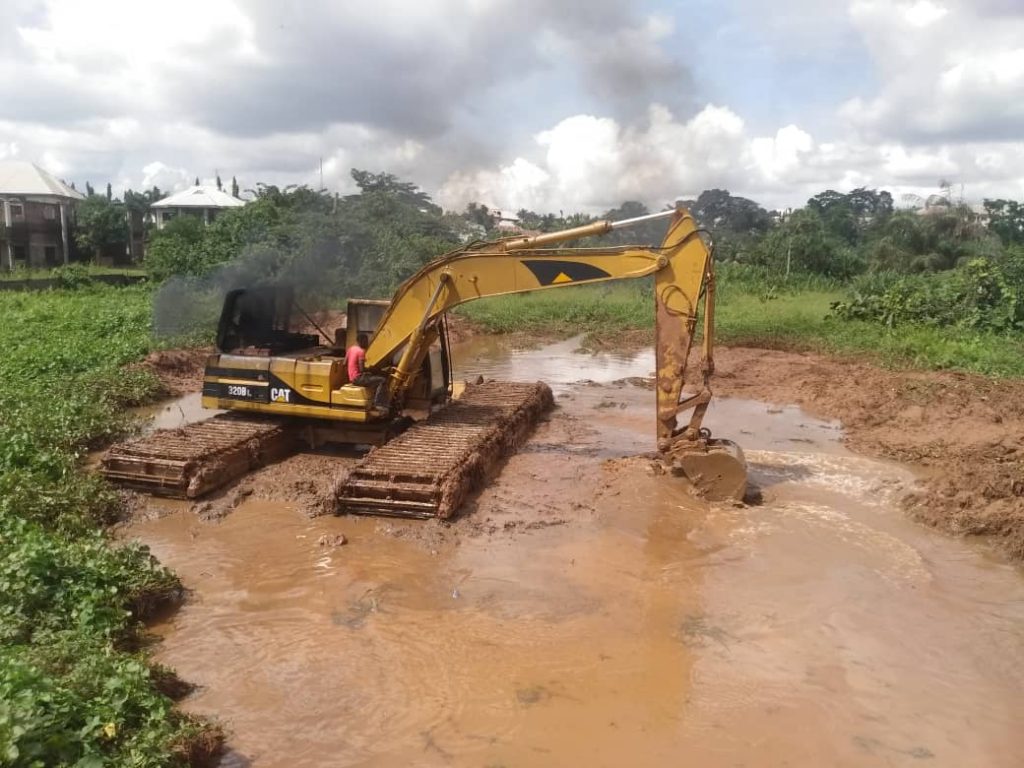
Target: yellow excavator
x: 296, y: 384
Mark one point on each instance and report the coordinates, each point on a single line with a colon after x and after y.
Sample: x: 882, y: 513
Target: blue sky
x: 570, y: 105
x: 741, y: 61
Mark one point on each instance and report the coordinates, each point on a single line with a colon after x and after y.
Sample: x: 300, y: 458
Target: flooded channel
x: 586, y: 612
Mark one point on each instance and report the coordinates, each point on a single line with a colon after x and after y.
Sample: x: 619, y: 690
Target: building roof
x: 20, y: 177
x: 199, y: 197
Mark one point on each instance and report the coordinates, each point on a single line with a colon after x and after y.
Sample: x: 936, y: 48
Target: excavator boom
x: 683, y: 273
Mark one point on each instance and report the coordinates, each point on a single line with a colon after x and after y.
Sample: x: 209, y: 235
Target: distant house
x: 202, y: 202
x: 38, y: 214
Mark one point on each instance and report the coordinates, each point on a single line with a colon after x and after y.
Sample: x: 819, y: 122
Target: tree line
x: 367, y: 242
x: 105, y: 224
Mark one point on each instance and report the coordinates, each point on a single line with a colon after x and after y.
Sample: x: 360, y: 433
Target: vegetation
x: 361, y: 244
x: 75, y: 272
x: 979, y: 295
x: 100, y: 225
x: 909, y: 272
x: 74, y: 689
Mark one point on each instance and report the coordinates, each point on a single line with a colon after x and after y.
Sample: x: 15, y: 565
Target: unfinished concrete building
x: 38, y: 213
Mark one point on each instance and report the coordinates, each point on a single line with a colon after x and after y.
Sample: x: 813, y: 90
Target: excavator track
x: 198, y: 458
x: 430, y: 469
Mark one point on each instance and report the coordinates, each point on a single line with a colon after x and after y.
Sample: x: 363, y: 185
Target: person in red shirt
x: 355, y: 359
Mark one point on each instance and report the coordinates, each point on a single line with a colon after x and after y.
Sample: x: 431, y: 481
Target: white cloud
x: 922, y: 13
x: 947, y: 73
x: 593, y: 164
x: 781, y: 155
x: 157, y: 174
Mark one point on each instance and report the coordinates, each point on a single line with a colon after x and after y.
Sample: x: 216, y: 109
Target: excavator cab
x: 264, y: 365
x: 433, y: 384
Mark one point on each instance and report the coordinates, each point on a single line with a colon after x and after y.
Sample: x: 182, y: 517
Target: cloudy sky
x: 545, y: 104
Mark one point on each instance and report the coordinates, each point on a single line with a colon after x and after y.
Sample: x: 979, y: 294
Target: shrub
x: 70, y: 598
x: 982, y: 295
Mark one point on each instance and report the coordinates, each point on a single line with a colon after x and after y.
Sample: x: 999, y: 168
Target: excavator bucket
x: 717, y: 472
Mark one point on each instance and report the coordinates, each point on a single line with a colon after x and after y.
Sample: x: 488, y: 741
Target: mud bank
x: 965, y: 433
x: 585, y: 611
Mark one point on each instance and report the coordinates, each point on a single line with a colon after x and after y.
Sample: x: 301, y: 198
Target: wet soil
x: 179, y: 370
x: 966, y: 433
x: 586, y: 611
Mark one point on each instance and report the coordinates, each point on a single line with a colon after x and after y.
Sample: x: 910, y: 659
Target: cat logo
x: 280, y: 395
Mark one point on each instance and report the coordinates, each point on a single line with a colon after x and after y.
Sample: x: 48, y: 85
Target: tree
x: 140, y: 204
x: 389, y: 184
x: 721, y: 212
x: 89, y: 191
x: 177, y: 249
x: 802, y: 243
x: 110, y: 193
x: 939, y: 239
x: 197, y: 181
x: 850, y: 216
x: 480, y: 214
x: 1006, y: 219
x: 220, y: 185
x: 100, y: 226
x: 234, y: 187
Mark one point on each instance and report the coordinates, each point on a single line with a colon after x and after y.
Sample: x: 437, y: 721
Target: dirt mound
x: 179, y: 370
x: 965, y: 432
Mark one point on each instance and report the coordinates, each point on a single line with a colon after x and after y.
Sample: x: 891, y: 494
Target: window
x: 19, y: 253
x: 50, y: 254
x: 50, y: 212
x: 17, y: 210
x: 167, y: 216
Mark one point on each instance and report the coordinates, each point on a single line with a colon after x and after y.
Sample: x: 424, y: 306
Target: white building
x: 37, y: 211
x: 203, y: 202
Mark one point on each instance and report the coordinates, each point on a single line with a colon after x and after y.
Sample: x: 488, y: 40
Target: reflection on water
x: 559, y: 365
x: 176, y: 413
x: 820, y: 628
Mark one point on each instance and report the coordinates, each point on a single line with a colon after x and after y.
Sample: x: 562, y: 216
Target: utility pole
x: 321, y: 173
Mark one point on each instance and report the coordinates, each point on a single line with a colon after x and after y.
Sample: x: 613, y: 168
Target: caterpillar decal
x: 550, y: 272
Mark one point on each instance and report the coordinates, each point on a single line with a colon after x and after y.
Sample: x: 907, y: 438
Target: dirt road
x: 585, y: 611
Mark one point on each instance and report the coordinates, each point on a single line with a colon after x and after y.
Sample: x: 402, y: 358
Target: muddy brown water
x: 587, y: 612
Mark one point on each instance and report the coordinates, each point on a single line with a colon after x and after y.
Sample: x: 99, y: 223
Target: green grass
x: 796, y: 318
x: 55, y: 272
x: 72, y: 692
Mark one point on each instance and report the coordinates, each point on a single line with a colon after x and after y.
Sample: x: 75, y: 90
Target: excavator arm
x: 682, y: 268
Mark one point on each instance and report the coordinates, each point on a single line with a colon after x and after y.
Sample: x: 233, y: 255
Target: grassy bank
x: 71, y: 270
x: 74, y: 688
x: 796, y: 318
